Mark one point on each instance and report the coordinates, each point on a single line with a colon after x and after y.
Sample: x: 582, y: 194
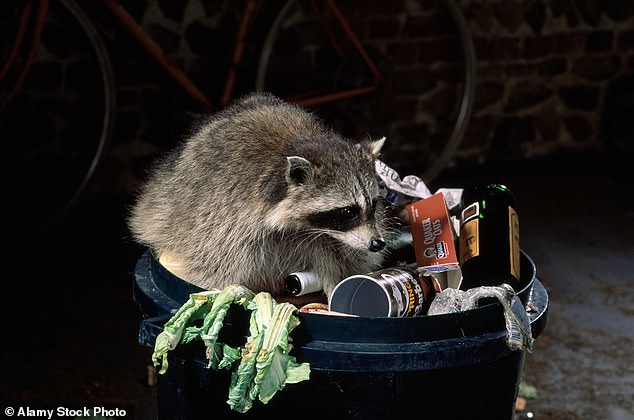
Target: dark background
x: 552, y: 118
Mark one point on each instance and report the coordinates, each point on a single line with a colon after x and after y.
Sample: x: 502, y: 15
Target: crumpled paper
x: 402, y: 191
x: 518, y: 327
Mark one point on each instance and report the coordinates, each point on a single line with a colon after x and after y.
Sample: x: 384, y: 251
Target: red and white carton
x: 433, y: 234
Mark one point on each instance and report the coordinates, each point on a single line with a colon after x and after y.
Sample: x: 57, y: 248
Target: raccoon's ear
x: 373, y: 146
x: 299, y: 170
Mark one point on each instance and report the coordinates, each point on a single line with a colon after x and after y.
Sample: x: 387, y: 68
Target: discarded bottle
x: 302, y: 283
x: 489, y: 238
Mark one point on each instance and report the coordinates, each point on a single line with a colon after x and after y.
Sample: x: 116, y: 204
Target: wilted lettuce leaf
x: 265, y: 365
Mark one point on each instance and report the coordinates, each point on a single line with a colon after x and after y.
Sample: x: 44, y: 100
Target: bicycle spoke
x: 55, y: 130
x: 405, y: 85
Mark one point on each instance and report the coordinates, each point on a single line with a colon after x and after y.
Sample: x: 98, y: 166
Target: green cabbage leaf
x: 262, y: 366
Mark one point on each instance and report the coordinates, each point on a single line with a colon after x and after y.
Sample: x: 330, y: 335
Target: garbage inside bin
x: 360, y: 367
x: 397, y: 291
x: 519, y: 335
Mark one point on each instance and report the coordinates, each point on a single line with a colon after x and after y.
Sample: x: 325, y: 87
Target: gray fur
x: 233, y: 201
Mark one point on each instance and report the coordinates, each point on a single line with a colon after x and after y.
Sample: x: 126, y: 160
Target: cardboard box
x: 433, y: 234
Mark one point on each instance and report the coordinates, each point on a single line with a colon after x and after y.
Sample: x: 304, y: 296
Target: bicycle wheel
x: 56, y: 129
x: 425, y: 53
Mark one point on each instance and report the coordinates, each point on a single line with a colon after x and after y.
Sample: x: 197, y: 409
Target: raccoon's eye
x: 348, y: 213
x: 343, y: 218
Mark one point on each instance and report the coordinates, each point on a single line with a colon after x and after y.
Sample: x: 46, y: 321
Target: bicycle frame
x: 247, y: 17
x: 245, y: 20
x: 24, y: 18
x: 124, y: 18
x: 345, y: 94
x: 178, y: 75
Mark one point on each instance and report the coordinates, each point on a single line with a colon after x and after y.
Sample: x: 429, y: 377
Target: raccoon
x: 260, y: 190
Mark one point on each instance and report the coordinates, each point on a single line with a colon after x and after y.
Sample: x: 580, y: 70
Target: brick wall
x: 544, y: 72
x: 544, y: 69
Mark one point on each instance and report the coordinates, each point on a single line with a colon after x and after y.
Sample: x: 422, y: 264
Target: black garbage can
x: 454, y: 366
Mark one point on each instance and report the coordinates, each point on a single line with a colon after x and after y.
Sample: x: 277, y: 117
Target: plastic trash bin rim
x: 150, y: 275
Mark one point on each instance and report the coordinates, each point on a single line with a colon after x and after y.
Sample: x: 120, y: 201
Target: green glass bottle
x: 489, y: 238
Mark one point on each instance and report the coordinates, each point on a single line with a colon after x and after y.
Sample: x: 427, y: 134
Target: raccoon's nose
x: 376, y: 244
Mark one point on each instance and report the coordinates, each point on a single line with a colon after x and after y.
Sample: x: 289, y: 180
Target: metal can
x: 391, y: 292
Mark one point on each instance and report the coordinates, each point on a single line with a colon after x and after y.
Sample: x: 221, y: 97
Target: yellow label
x: 469, y: 240
x: 514, y: 241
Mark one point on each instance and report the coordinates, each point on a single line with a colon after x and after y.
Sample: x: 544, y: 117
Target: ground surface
x: 577, y: 224
x: 579, y: 228
x: 69, y: 323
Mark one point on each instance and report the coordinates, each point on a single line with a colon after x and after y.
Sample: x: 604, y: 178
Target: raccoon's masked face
x: 344, y: 206
x: 352, y: 225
